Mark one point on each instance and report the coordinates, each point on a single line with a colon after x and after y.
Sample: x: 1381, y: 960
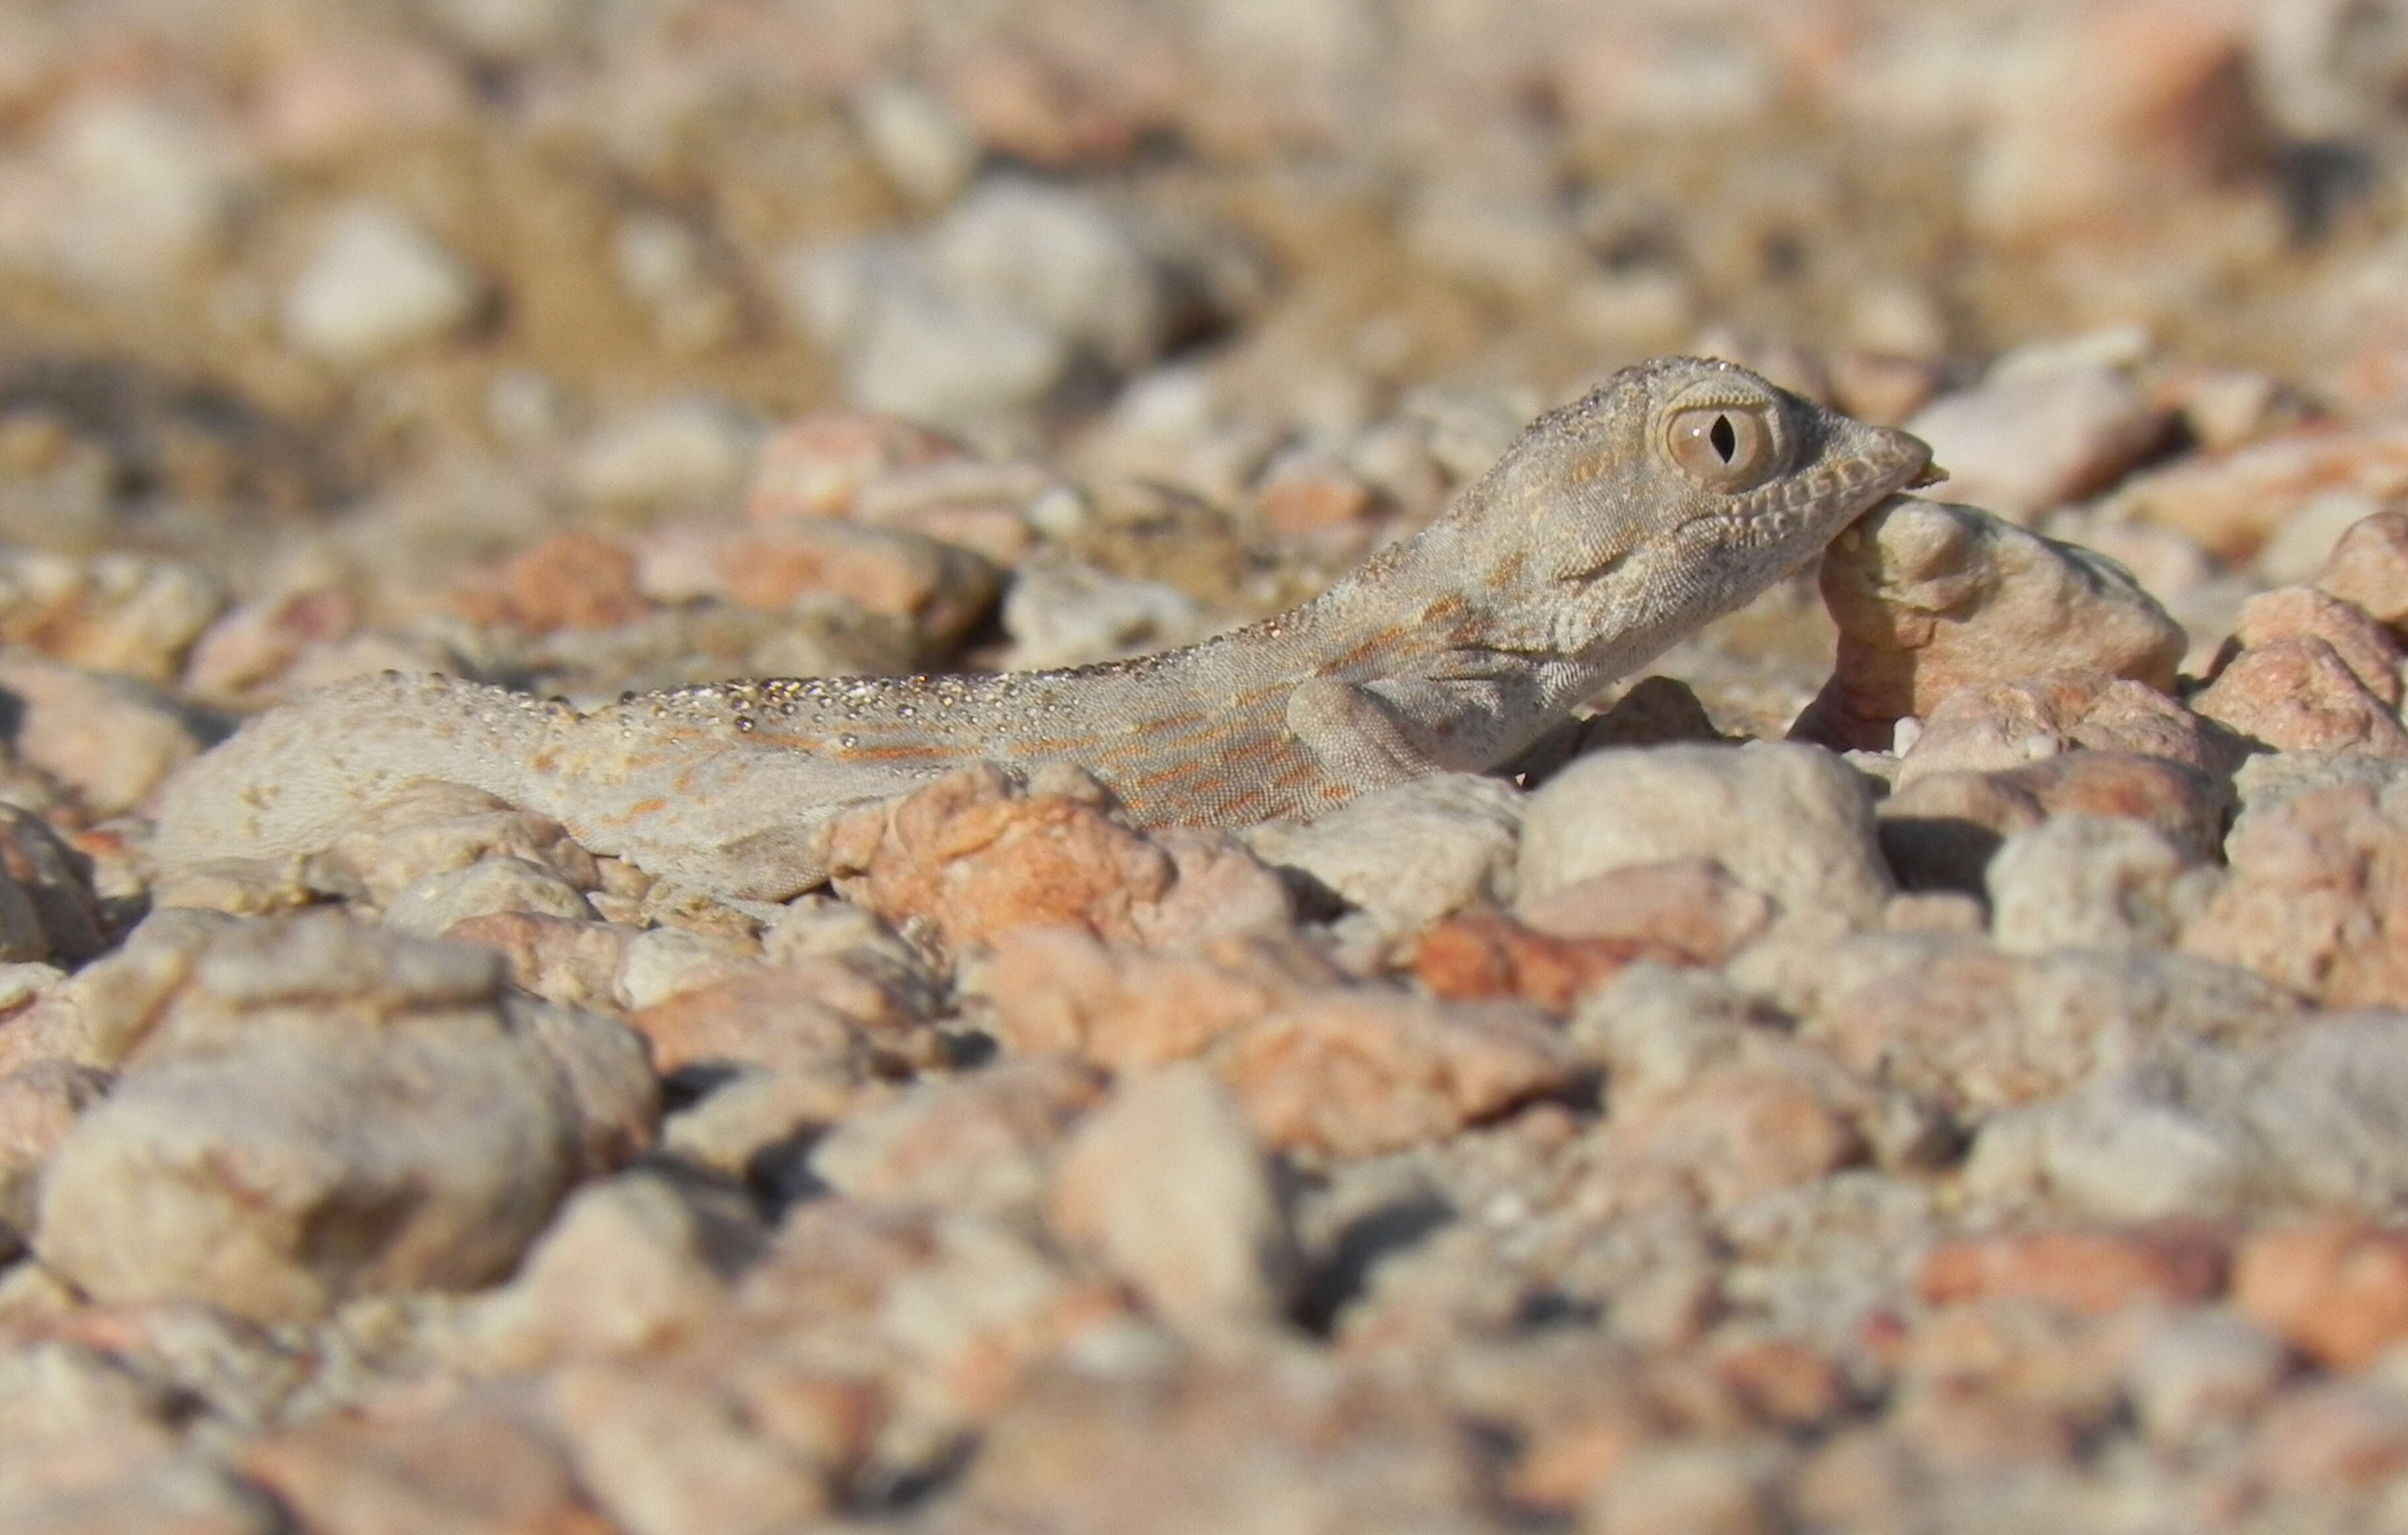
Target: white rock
x: 1069, y: 615
x: 1794, y: 823
x: 1166, y: 1184
x: 2029, y: 442
x: 2092, y: 882
x: 918, y: 140
x: 375, y: 283
x: 676, y: 454
x: 1059, y: 258
x: 1410, y: 855
x: 2201, y: 1369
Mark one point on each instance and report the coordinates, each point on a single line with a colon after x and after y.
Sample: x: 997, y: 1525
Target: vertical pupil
x: 1724, y: 440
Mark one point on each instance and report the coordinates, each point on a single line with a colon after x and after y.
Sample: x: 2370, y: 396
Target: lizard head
x: 1684, y: 486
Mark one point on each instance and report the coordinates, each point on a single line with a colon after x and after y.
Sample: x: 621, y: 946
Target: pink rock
x: 2369, y: 567
x: 2298, y: 695
x: 815, y: 466
x: 2361, y: 642
x: 2091, y: 1272
x: 2336, y: 1290
x: 974, y: 856
x: 2319, y: 898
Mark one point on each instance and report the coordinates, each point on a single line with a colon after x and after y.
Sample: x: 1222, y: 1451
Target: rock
x: 2319, y: 880
x: 2079, y: 882
x: 678, y: 279
x: 1792, y: 823
x: 1932, y: 597
x: 569, y: 961
x: 810, y: 1014
x: 2337, y: 1436
x: 2003, y: 727
x: 2369, y: 567
x: 1940, y: 830
x: 941, y: 589
x: 120, y: 614
x: 99, y: 1017
x: 1346, y: 1074
x: 1164, y: 1186
x: 2090, y: 1271
x: 666, y: 1456
x: 680, y: 453
x: 2336, y: 1290
x: 1692, y: 905
x: 2299, y: 694
x: 375, y: 283
x: 326, y: 1113
x: 2202, y: 1370
x: 1692, y: 1489
x: 1070, y: 615
x: 430, y: 829
x: 477, y: 1464
x: 2299, y: 1121
x: 1950, y: 1018
x: 38, y: 1104
x: 436, y: 904
x: 1060, y: 990
x: 570, y: 581
x: 1410, y: 855
x: 922, y: 144
x: 817, y: 466
x: 241, y: 656
x: 1488, y: 955
x: 2233, y: 503
x: 48, y: 909
x: 975, y: 854
x: 631, y: 1264
x: 983, y: 1143
x: 1060, y: 258
x: 912, y: 349
x: 2021, y: 445
x: 111, y: 739
x: 2364, y: 646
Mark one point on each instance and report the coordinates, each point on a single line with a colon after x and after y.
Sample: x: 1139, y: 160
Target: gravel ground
x: 1932, y: 1057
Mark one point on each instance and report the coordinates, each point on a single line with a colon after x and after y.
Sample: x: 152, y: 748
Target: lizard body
x: 1610, y: 528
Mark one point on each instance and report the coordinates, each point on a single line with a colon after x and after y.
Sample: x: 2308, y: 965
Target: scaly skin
x: 1610, y: 530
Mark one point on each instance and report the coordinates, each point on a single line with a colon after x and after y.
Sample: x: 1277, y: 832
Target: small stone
x: 1932, y: 597
x: 569, y: 961
x: 1300, y: 497
x: 912, y: 349
x: 2079, y: 882
x: 2092, y: 1272
x: 375, y: 283
x: 1347, y: 1074
x: 975, y: 854
x: 2202, y: 1370
x: 1792, y: 823
x: 1487, y: 954
x: 433, y: 906
x: 38, y: 1105
x: 473, y: 1465
x: 1691, y: 905
x: 111, y: 739
x: 2021, y: 445
x: 431, y: 828
x: 2319, y: 882
x: 2360, y: 640
x: 120, y: 613
x: 1410, y: 855
x: 2299, y: 694
x: 1940, y: 830
x: 919, y: 142
x: 668, y: 1455
x: 680, y: 453
x: 1690, y: 1488
x: 817, y: 466
x: 810, y: 1013
x: 1165, y: 1184
x: 939, y: 589
x: 570, y: 581
x: 2336, y: 1290
x: 2369, y: 567
x: 247, y: 651
x: 1063, y: 990
x: 2233, y: 503
x: 1060, y: 257
x: 323, y: 1113
x: 2334, y: 1437
x: 983, y: 1143
x: 1073, y: 615
x: 2003, y: 727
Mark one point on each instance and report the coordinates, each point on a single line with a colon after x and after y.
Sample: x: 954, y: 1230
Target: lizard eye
x: 1728, y: 447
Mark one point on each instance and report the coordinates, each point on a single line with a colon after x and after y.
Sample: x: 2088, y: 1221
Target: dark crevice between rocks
x: 1389, y: 1228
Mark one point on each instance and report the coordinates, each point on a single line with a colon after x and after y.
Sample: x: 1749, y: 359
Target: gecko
x: 1610, y: 528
